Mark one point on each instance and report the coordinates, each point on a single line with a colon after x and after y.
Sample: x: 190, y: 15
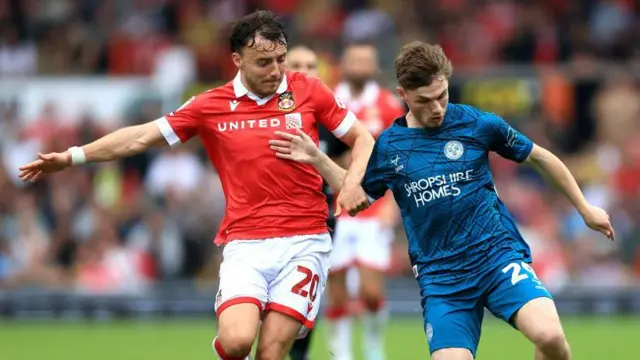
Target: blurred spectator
x: 17, y: 57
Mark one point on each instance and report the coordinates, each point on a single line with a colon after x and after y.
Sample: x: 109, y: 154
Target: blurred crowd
x: 119, y: 227
x: 124, y: 37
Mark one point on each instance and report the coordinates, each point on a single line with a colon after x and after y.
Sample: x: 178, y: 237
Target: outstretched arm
x: 554, y: 170
x: 172, y: 129
x: 121, y: 143
x: 124, y: 142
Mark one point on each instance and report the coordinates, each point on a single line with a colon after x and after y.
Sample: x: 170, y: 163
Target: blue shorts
x: 453, y: 313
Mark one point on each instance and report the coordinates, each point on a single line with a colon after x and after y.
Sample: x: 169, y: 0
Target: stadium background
x: 115, y: 260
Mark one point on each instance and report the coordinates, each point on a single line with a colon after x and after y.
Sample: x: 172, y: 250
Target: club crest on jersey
x: 453, y: 150
x: 285, y: 101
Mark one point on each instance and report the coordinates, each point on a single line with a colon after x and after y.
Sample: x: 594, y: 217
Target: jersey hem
x: 270, y: 234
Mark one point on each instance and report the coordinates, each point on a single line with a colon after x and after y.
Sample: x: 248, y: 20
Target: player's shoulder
x: 471, y: 115
x: 465, y: 111
x: 390, y: 134
x: 298, y: 80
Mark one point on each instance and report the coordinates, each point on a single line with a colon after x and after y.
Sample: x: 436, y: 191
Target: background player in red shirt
x: 303, y: 59
x: 276, y: 254
x: 362, y: 244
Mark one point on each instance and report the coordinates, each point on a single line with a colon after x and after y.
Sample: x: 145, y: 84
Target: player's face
x: 428, y: 104
x: 262, y: 65
x: 359, y: 64
x: 304, y: 61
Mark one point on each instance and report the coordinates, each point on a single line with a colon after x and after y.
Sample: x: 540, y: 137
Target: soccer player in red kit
x: 276, y: 245
x: 362, y: 244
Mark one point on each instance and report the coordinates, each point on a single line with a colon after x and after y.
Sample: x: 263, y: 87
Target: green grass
x: 591, y: 339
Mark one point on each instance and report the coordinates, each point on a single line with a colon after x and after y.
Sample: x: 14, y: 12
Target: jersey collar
x: 241, y: 90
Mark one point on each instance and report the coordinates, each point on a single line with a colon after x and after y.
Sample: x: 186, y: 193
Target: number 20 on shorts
x: 308, y: 286
x: 516, y: 274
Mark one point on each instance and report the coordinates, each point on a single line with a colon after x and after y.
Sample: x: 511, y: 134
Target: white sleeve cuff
x: 345, y: 125
x: 167, y: 131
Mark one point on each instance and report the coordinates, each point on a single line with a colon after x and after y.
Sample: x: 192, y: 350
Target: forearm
x: 360, y: 153
x: 333, y: 174
x: 123, y: 143
x: 556, y: 172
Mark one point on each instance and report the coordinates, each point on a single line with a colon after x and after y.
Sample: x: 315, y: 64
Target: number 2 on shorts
x: 307, y: 286
x: 516, y: 276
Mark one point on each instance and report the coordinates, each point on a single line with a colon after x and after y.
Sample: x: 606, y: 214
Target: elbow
x: 366, y: 140
x: 138, y: 146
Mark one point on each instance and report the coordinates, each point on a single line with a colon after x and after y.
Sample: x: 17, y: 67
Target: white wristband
x: 77, y: 155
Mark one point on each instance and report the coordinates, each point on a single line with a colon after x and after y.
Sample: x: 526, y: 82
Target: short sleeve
x: 181, y: 125
x: 505, y: 140
x: 376, y: 178
x: 332, y: 113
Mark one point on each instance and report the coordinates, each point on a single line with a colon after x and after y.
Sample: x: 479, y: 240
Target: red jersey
x: 376, y: 108
x: 265, y: 196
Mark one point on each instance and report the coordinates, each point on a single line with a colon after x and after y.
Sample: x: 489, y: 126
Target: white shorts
x: 362, y: 243
x: 286, y: 274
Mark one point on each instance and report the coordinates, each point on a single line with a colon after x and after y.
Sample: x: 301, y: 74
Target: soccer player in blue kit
x: 466, y: 251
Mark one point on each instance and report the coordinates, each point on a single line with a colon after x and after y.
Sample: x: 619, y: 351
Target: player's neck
x: 412, y: 122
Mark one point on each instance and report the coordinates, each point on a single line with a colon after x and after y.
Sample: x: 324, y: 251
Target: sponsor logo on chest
x: 288, y: 121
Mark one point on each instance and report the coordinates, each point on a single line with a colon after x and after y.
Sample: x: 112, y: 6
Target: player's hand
x: 299, y: 147
x: 46, y: 164
x: 352, y: 199
x: 598, y: 220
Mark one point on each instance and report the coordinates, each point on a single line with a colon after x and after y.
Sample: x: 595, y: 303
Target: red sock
x: 335, y: 313
x: 217, y: 347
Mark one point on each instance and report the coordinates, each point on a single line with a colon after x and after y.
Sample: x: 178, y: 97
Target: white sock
x: 373, y: 334
x: 340, y: 336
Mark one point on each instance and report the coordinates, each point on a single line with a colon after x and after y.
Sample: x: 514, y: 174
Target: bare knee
x: 551, y: 342
x: 237, y: 341
x: 452, y: 354
x: 372, y: 288
x: 238, y: 328
x: 372, y: 297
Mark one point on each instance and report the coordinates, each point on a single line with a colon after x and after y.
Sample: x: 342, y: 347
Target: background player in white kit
x: 362, y: 244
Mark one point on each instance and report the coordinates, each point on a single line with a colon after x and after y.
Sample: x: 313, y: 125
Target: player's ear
x: 401, y: 93
x: 237, y: 59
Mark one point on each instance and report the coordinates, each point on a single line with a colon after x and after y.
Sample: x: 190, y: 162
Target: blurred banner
x: 180, y: 300
x: 106, y: 99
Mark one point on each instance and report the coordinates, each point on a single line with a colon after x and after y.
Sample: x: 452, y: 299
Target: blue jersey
x: 455, y: 222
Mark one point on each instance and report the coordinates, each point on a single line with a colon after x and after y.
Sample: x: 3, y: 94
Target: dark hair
x: 419, y: 63
x: 262, y: 23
